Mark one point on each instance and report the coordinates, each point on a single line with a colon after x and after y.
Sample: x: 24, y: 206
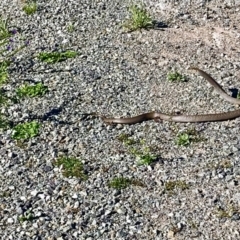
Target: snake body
x: 184, y: 118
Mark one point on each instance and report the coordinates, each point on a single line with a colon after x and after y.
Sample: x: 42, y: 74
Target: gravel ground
x: 119, y: 73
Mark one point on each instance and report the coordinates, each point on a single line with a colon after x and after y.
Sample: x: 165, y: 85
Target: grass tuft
x: 28, y: 216
x: 171, y: 185
x: 32, y: 90
x: 187, y: 137
x: 53, y: 57
x: 176, y: 77
x: 30, y: 7
x: 71, y: 167
x: 26, y: 130
x: 3, y: 72
x: 140, y: 18
x: 120, y: 183
x: 4, y: 31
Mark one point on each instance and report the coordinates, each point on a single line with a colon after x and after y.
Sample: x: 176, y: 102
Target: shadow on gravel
x: 234, y: 92
x: 158, y: 25
x: 49, y: 116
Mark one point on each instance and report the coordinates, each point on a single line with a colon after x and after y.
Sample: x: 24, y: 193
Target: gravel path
x: 188, y: 192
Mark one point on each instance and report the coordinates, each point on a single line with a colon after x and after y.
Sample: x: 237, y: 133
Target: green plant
x: 3, y: 123
x: 70, y: 28
x: 4, y: 31
x: 32, y: 90
x: 3, y: 99
x: 175, y: 76
x: 126, y: 139
x: 183, y: 139
x: 171, y: 185
x: 7, y: 47
x: 140, y: 18
x: 3, y: 72
x: 223, y: 164
x: 27, y: 216
x: 26, y: 130
x: 191, y: 223
x: 146, y: 159
x: 71, y: 167
x: 30, y: 7
x: 187, y: 137
x: 53, y: 57
x: 120, y: 183
x: 143, y: 154
x: 226, y: 213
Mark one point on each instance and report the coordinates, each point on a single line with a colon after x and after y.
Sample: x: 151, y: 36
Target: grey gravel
x: 119, y: 73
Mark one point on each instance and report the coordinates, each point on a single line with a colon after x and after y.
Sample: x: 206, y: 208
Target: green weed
x: 126, y: 139
x: 71, y: 167
x: 187, y: 137
x: 119, y: 183
x: 70, y: 28
x: 175, y: 76
x: 140, y: 18
x: 7, y: 47
x: 4, y: 31
x: 27, y: 216
x: 171, y: 185
x: 3, y: 99
x: 53, y: 57
x: 31, y: 90
x: 3, y: 72
x: 4, y: 124
x: 144, y: 156
x: 146, y: 159
x: 26, y: 130
x: 30, y: 7
x: 142, y: 153
x: 226, y: 212
x: 183, y: 139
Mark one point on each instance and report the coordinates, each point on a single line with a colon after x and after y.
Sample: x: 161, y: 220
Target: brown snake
x: 183, y: 118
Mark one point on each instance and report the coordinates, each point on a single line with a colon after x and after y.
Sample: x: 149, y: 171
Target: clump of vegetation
x: 32, y: 90
x: 4, y: 124
x: 26, y: 130
x: 70, y: 28
x: 140, y: 18
x: 7, y: 43
x: 71, y: 167
x: 226, y: 212
x: 8, y: 48
x: 176, y: 76
x: 3, y: 72
x: 220, y: 165
x: 122, y: 182
x: 142, y: 153
x: 187, y: 137
x: 126, y: 139
x: 119, y: 183
x: 53, y: 57
x: 4, y: 31
x: 144, y: 156
x: 171, y: 185
x: 30, y: 7
x: 27, y: 216
x: 3, y: 99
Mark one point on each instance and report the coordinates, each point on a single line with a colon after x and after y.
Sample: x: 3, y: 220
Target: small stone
x: 10, y: 220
